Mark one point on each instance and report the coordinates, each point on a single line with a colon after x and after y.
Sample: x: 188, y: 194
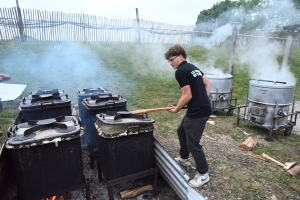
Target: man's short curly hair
x: 175, y: 50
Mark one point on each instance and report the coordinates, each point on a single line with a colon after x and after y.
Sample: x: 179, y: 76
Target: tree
x: 253, y: 14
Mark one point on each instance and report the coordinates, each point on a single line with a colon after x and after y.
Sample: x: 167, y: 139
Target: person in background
x: 195, y: 90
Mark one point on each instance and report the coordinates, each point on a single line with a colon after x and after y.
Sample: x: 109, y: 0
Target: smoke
x: 149, y: 59
x: 208, y: 67
x: 261, y: 58
x: 267, y: 15
x: 261, y: 62
x: 68, y: 66
x: 218, y: 36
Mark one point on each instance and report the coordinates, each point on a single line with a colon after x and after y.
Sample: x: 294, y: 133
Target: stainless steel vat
x: 221, y: 92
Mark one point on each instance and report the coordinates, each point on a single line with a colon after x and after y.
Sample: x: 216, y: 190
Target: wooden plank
x: 64, y: 27
x: 136, y: 191
x: 109, y: 30
x: 25, y: 17
x: 52, y: 28
x: 83, y: 28
x: 60, y: 27
x: 91, y: 28
x: 54, y: 24
x: 41, y: 27
x: 100, y: 31
x: 33, y: 22
x: 6, y: 27
x: 71, y: 28
x: 94, y: 28
x: 11, y: 15
x: 45, y: 25
x: 210, y: 122
x: 11, y: 29
x: 1, y: 35
x: 244, y: 144
x: 77, y: 28
x: 80, y: 28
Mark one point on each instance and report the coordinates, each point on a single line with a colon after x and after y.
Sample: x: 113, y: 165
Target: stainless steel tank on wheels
x: 270, y: 104
x: 221, y: 93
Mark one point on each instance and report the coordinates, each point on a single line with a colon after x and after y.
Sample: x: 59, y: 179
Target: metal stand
x: 288, y: 128
x: 113, y: 182
x: 93, y: 155
x: 231, y: 102
x: 230, y: 107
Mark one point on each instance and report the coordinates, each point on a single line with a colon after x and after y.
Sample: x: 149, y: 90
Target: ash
x: 98, y: 189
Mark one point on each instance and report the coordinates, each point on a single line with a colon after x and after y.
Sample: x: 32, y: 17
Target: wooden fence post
x: 138, y: 28
x: 289, y: 42
x: 232, y: 51
x: 287, y: 51
x: 20, y: 23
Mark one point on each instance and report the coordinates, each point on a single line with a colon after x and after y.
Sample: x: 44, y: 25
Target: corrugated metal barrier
x: 174, y: 174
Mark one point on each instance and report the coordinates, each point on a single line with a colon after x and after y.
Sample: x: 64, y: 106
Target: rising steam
x: 262, y: 63
x: 68, y: 66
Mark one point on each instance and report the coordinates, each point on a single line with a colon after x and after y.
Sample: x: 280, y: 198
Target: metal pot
x: 221, y: 90
x: 267, y: 99
x: 122, y: 124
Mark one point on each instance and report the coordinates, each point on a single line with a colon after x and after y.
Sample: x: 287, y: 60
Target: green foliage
x: 211, y: 14
x: 297, y: 3
x: 219, y: 8
x: 247, y: 12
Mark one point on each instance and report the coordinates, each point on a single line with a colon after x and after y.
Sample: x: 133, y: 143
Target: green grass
x: 142, y: 76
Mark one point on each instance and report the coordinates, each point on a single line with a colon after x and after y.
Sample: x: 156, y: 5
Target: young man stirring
x: 195, y: 89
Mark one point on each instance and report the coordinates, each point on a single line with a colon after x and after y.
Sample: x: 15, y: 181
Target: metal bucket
x: 221, y: 90
x: 86, y: 93
x: 267, y: 99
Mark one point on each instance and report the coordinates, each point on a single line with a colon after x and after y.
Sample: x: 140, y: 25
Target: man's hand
x: 173, y: 108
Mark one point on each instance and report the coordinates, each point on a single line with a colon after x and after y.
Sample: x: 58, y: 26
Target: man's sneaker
x: 183, y: 162
x: 199, y: 180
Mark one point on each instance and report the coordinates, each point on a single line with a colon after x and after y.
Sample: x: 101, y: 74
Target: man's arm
x: 186, y: 96
x: 207, y: 84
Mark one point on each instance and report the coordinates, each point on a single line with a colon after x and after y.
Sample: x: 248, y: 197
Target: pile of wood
x: 249, y: 143
x: 292, y: 168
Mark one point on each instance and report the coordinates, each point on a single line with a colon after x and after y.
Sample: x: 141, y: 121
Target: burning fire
x: 60, y: 197
x: 51, y: 198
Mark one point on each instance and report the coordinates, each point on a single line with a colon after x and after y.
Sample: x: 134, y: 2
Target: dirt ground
x: 230, y: 170
x: 225, y: 157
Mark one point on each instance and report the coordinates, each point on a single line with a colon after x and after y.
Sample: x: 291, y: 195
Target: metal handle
x: 133, y: 128
x: 269, y: 81
x: 110, y: 103
x: 44, y: 103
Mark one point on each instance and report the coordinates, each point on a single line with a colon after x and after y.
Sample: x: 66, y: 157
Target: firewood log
x: 136, y: 191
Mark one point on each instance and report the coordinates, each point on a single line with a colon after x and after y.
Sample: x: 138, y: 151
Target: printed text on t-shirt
x: 196, y: 73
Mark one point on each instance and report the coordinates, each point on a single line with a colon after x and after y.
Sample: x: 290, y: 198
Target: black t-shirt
x: 199, y: 105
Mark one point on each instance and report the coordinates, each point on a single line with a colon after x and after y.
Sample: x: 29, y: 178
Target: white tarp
x: 10, y: 92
